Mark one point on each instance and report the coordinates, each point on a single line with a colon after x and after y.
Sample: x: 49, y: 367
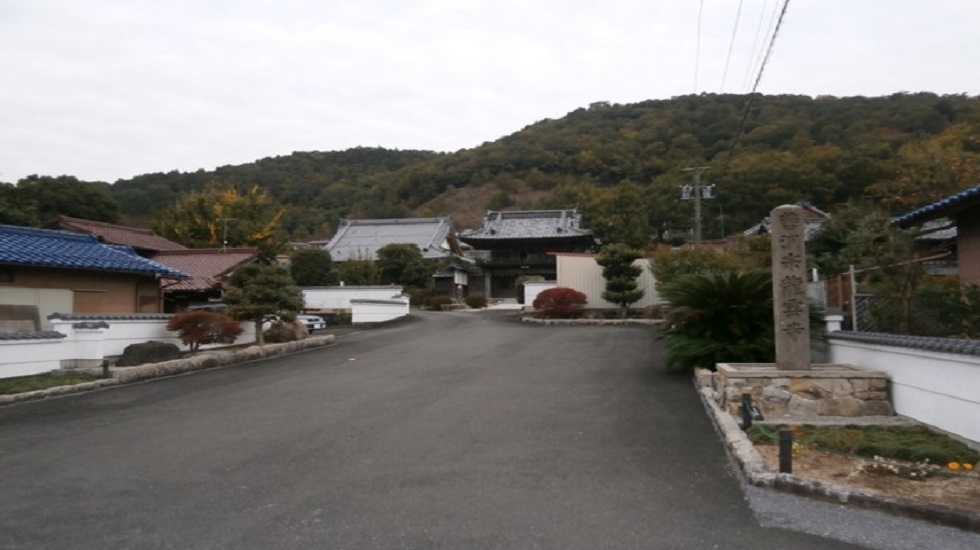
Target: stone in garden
x: 285, y: 332
x: 148, y: 352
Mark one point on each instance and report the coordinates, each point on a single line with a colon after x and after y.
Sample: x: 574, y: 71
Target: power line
x: 772, y: 42
x: 755, y: 53
x: 731, y: 45
x: 758, y: 78
x: 697, y: 50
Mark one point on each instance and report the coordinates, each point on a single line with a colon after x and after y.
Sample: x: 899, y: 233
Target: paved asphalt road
x: 447, y: 431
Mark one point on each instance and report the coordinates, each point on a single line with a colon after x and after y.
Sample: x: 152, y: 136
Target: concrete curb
x: 56, y: 391
x: 205, y: 360
x: 591, y: 322
x: 753, y: 471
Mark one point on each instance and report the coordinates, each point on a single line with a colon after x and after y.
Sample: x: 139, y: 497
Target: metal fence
x: 936, y: 308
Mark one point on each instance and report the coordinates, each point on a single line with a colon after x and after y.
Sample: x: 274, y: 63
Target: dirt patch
x: 959, y: 491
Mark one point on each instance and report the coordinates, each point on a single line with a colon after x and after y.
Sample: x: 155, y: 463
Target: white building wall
x: 935, y: 388
x: 123, y: 332
x: 32, y: 356
x: 378, y: 311
x: 581, y: 272
x: 329, y: 298
x: 533, y: 288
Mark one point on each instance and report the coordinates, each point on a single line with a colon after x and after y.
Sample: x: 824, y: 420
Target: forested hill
x: 611, y: 159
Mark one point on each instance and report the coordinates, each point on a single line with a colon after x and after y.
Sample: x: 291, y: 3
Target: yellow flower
x: 967, y: 466
x: 953, y: 465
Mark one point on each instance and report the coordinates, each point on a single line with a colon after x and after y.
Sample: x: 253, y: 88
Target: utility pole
x: 224, y: 232
x: 697, y: 191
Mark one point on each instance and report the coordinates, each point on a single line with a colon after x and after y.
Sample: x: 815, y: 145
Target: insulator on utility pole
x: 699, y: 192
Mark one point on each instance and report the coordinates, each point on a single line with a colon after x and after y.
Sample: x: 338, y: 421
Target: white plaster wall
x: 533, y: 288
x: 378, y: 311
x: 339, y: 297
x: 581, y: 272
x: 123, y: 332
x: 26, y: 357
x: 34, y: 356
x: 935, y: 388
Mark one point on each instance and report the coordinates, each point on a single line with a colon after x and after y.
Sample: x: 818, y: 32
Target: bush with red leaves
x: 560, y: 302
x: 197, y: 328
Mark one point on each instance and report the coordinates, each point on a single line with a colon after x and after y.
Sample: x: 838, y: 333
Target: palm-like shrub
x: 560, y: 302
x: 719, y: 317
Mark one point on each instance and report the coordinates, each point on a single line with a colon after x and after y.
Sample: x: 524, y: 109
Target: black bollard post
x: 746, y: 411
x: 105, y: 368
x: 785, y: 451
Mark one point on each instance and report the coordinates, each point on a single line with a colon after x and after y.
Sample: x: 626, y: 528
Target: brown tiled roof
x: 139, y: 239
x: 206, y: 266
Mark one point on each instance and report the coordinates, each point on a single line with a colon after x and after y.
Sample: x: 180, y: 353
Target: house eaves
x: 947, y: 207
x: 27, y: 246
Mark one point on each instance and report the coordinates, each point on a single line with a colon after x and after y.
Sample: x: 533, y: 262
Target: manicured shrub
x: 419, y: 297
x: 620, y: 273
x: 519, y: 288
x: 337, y: 317
x: 476, y: 301
x: 197, y: 328
x: 560, y: 302
x: 436, y: 302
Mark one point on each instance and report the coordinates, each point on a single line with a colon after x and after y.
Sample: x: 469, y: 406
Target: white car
x: 312, y: 322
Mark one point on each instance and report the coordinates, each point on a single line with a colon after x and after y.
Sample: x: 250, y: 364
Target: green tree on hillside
x: 825, y: 150
x: 619, y: 215
x: 49, y: 197
x: 930, y: 169
x: 14, y: 211
x: 225, y: 216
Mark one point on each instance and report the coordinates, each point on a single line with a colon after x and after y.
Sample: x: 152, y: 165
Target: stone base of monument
x: 824, y: 390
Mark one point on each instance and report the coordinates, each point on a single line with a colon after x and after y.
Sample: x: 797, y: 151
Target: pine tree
x: 620, y: 275
x: 256, y: 292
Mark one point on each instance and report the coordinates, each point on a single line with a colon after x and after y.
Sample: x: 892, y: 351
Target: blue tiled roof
x: 938, y: 208
x: 64, y: 249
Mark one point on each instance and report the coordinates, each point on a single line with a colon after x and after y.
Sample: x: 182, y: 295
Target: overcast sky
x: 109, y: 89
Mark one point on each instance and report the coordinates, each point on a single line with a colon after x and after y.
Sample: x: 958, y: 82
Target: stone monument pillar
x: 790, y: 308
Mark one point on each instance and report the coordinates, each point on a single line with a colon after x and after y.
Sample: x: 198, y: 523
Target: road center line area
x: 447, y: 431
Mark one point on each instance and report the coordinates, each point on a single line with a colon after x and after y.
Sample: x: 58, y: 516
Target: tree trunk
x: 258, y: 333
